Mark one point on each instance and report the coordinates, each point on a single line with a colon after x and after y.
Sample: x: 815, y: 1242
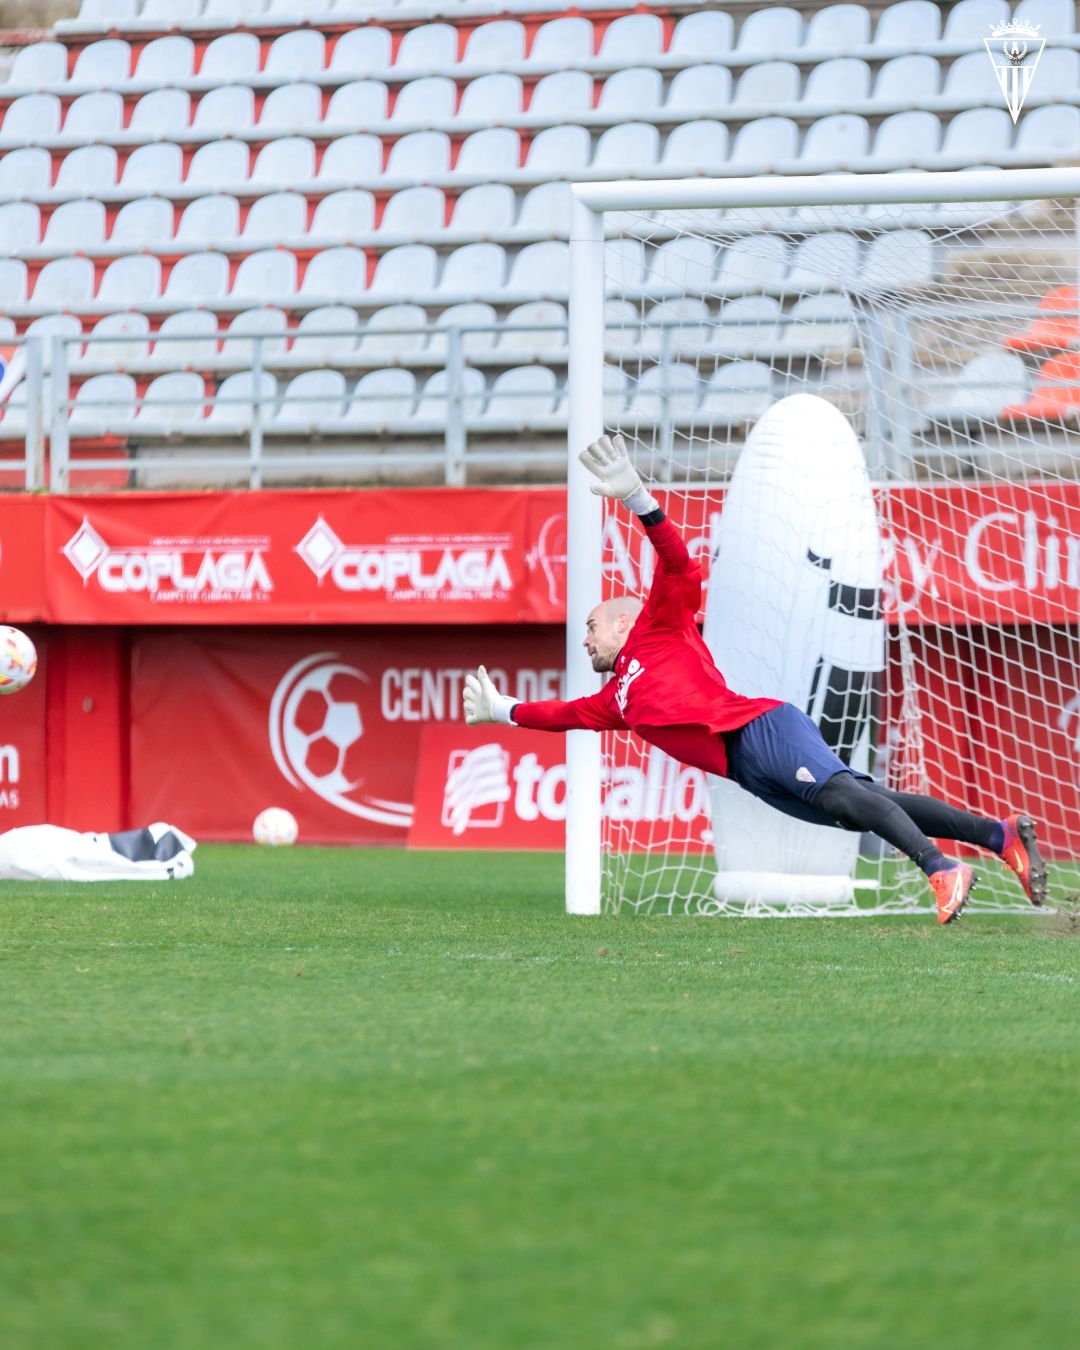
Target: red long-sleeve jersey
x: 666, y: 686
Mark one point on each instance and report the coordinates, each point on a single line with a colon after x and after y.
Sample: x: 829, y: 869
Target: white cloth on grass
x: 160, y: 852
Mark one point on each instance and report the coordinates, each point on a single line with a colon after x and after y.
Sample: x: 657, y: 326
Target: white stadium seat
x: 632, y: 91
x: 344, y: 215
x: 747, y: 324
x: 317, y: 397
x: 228, y: 108
x: 492, y: 98
x: 233, y: 56
x: 897, y: 261
x: 907, y: 78
x: 836, y: 83
x: 420, y: 154
x: 978, y: 132
x: 391, y: 332
x: 208, y: 219
x: 824, y: 261
x: 290, y: 159
x: 770, y: 31
x: 701, y: 145
x: 65, y: 283
x: 296, y: 9
x: 352, y: 159
x: 535, y: 326
x: 490, y: 152
x: 819, y: 324
x: 278, y: 215
x: 430, y: 46
x: 984, y: 386
x: 186, y: 338
x: 520, y: 395
x: 266, y: 322
x: 162, y: 112
x: 42, y: 65
x: 837, y: 29
x: 627, y: 146
x: 335, y: 273
x: 142, y: 222
x: 632, y: 38
x: 108, y: 344
x: 297, y: 55
x: 475, y: 269
x: 495, y: 45
x: 103, y: 64
x: 907, y: 136
x: 559, y: 40
x: 291, y: 107
x: 908, y: 24
x: 768, y: 83
x: 130, y: 281
x: 326, y: 333
x: 1052, y: 130
x: 432, y: 404
x: 102, y: 401
x: 559, y: 150
x: 677, y: 325
x: 410, y: 267
x: 432, y: 98
x: 473, y: 315
x: 765, y: 142
x: 759, y: 262
x: 672, y: 389
x: 77, y: 225
x: 267, y: 275
x: 540, y: 269
x: 20, y: 226
x: 971, y: 20
x: 363, y: 51
x: 624, y: 264
x: 172, y: 400
x: 1056, y: 17
x: 1059, y: 73
x: 703, y: 35
x: 198, y: 278
x: 545, y: 207
x: 562, y: 93
x: 232, y: 406
x: 108, y: 11
x: 739, y: 392
x: 25, y: 171
x: 382, y: 396
x: 31, y: 117
x: 51, y: 326
x: 219, y: 164
x: 970, y: 77
x: 487, y: 207
x: 166, y: 60
x: 840, y: 138
x: 414, y: 211
x: 685, y: 263
x: 87, y: 169
x: 357, y: 103
x: 13, y: 278
x: 153, y: 168
x: 170, y: 11
x: 700, y: 89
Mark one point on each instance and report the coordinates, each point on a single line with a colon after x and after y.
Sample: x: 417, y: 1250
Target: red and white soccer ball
x: 275, y: 826
x: 18, y: 660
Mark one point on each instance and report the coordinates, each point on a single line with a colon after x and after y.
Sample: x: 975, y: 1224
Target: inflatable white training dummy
x: 159, y: 852
x: 794, y: 612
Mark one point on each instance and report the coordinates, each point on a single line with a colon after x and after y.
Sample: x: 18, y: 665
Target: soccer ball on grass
x: 18, y: 660
x: 275, y: 826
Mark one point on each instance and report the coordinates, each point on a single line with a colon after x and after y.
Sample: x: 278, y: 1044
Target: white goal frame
x: 589, y: 202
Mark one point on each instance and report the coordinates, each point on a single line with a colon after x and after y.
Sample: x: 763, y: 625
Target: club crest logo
x: 1015, y: 49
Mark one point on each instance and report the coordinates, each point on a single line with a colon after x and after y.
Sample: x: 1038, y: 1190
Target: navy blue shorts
x: 782, y: 758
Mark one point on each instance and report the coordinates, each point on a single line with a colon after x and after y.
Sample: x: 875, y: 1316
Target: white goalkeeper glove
x: 606, y: 459
x: 483, y: 702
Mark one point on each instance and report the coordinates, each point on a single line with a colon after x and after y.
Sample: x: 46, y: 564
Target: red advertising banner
x: 22, y: 747
x: 22, y: 558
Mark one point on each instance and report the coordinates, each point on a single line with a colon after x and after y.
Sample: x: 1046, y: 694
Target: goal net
x: 858, y: 399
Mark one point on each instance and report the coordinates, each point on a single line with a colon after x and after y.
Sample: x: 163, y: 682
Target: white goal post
x: 694, y: 451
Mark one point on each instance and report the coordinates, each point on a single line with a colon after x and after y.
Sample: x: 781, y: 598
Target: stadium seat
x: 685, y: 263
x: 1056, y: 325
x: 166, y: 60
x: 432, y: 98
x: 837, y: 82
x: 633, y: 37
x: 1059, y: 74
x: 624, y: 265
x: 363, y: 51
x: 562, y: 94
x: 492, y: 98
x: 344, y: 215
x: 739, y: 392
x: 969, y: 77
x: 186, y: 338
x: 545, y: 207
x: 231, y: 57
x: 987, y: 386
x: 767, y: 84
x: 351, y: 159
x: 837, y: 28
x: 907, y: 137
x: 295, y: 9
x: 748, y: 324
x: 20, y: 226
x: 759, y: 262
x: 41, y: 65
x: 1054, y: 130
x: 971, y: 20
x: 130, y: 281
x: 488, y: 207
x: 290, y: 159
x: 162, y: 112
x: 679, y: 325
x: 232, y: 406
x: 51, y: 326
x: 108, y: 11
x: 315, y: 398
x: 701, y: 36
x: 153, y: 168
x: 558, y: 150
x: 770, y: 31
x: 414, y: 211
x: 766, y: 142
x: 472, y: 315
x: 420, y: 154
x: 490, y: 153
x: 670, y: 390
x: 326, y: 333
x: 267, y: 275
x: 632, y: 91
x: 144, y: 221
x: 335, y: 273
x: 227, y: 109
x: 430, y: 46
x: 520, y: 395
x: 910, y: 23
x: 626, y: 147
x: 172, y: 400
x: 824, y: 261
x: 87, y: 169
x: 1057, y: 18
x: 31, y: 117
x: 219, y: 164
x: 701, y: 146
x: 535, y: 326
x: 616, y: 392
x: 198, y: 278
x: 978, y: 132
x: 381, y: 396
x: 394, y: 332
x: 297, y: 55
x: 208, y: 219
x: 266, y: 322
x: 474, y: 269
x: 700, y: 89
x: 358, y: 103
x: 540, y: 269
x: 819, y: 324
x: 907, y: 78
x: 495, y: 45
x: 432, y: 406
x: 77, y: 225
x: 277, y: 216
x: 102, y: 402
x: 562, y: 40
x: 64, y: 283
x: 119, y: 339
x: 408, y: 268
x: 291, y: 107
x: 103, y: 64
x: 841, y: 138
x: 170, y: 12
x: 899, y: 260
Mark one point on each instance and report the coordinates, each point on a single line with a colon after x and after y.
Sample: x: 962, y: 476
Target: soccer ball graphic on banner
x: 18, y: 660
x: 275, y: 826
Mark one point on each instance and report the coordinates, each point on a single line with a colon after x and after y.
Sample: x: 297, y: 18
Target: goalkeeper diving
x: 668, y: 690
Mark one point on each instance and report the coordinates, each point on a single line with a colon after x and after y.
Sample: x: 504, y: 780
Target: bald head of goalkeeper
x: 607, y: 628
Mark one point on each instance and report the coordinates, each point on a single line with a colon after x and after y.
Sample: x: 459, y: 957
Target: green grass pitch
x: 324, y: 1098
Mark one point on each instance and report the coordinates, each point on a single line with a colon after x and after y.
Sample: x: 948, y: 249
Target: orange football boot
x: 1020, y: 854
x: 951, y: 887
